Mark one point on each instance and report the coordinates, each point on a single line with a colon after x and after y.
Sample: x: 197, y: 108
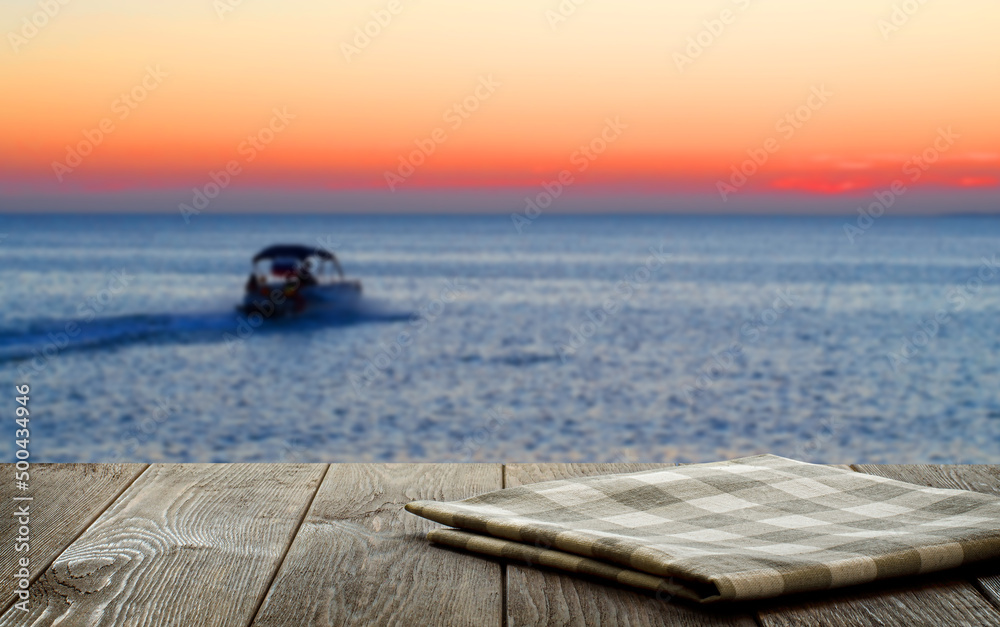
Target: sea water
x: 566, y: 338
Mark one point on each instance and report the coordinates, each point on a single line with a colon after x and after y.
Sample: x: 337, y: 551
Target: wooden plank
x: 937, y: 599
x: 984, y: 479
x: 979, y: 478
x: 185, y: 544
x: 544, y: 597
x: 360, y: 559
x: 66, y: 499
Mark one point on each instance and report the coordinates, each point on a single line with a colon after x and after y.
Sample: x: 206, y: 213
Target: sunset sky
x: 833, y: 98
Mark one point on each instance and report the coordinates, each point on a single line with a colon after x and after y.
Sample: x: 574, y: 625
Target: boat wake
x: 43, y: 339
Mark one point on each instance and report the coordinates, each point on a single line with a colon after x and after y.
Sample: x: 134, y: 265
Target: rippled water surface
x: 581, y: 338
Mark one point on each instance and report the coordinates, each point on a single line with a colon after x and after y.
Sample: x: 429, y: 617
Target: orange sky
x: 872, y: 90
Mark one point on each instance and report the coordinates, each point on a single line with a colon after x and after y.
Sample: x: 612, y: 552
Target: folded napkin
x: 749, y: 528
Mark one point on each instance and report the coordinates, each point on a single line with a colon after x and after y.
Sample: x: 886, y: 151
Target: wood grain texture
x: 971, y: 477
x: 202, y: 545
x: 360, y: 559
x: 67, y: 498
x: 943, y: 599
x: 940, y: 602
x: 984, y: 479
x: 545, y: 597
x: 185, y: 544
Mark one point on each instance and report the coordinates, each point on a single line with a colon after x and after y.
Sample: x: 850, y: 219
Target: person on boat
x: 305, y: 275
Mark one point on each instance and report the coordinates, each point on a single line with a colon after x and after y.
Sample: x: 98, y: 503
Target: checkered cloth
x: 750, y: 528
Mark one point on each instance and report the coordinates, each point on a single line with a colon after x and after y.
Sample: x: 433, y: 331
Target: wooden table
x: 312, y: 544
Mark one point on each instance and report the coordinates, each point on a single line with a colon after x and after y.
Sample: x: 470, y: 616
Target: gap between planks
x: 503, y: 565
x: 83, y: 529
x: 291, y: 540
x: 504, y: 588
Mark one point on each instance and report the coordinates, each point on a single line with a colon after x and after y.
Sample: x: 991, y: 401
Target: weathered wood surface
x: 183, y: 545
x: 281, y: 545
x: 545, y: 597
x: 902, y: 603
x: 67, y: 498
x: 360, y: 559
x: 940, y: 599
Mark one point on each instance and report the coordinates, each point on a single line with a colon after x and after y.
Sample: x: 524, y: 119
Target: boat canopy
x: 293, y: 251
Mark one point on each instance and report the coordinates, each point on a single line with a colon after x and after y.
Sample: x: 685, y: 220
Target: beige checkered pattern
x: 750, y: 528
